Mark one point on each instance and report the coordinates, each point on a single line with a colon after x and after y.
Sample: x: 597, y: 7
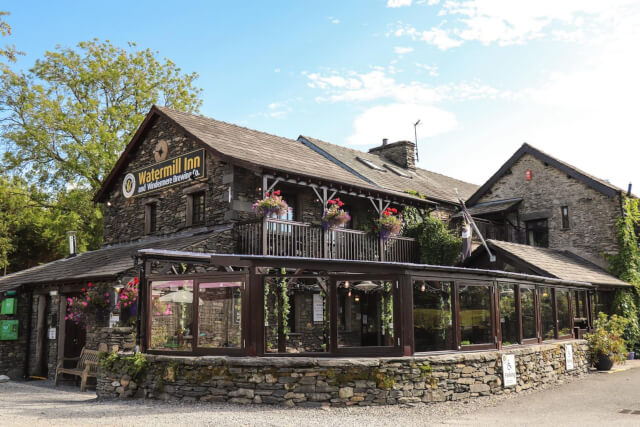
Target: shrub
x: 606, y: 339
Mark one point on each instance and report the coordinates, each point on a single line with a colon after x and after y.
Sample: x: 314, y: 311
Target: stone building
x: 544, y: 216
x: 186, y: 182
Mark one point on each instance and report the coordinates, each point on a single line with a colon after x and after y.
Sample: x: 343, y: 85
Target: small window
x: 197, y: 217
x: 538, y: 233
x: 565, y: 217
x: 371, y: 164
x: 150, y: 218
x: 398, y: 172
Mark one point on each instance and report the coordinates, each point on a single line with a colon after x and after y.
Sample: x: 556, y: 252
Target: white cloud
x: 398, y: 3
x: 507, y: 22
x: 277, y: 70
x: 431, y: 69
x: 402, y: 50
x: 334, y: 20
x: 395, y: 121
x: 277, y: 110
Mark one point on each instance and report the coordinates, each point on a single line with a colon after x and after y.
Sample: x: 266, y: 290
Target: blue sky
x: 482, y: 75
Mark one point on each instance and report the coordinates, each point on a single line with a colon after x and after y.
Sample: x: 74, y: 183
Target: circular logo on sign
x: 128, y: 185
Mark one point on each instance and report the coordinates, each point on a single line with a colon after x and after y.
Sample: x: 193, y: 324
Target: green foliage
x: 626, y: 265
x: 607, y: 339
x: 134, y: 366
x: 64, y: 124
x: 438, y: 244
x: 8, y: 51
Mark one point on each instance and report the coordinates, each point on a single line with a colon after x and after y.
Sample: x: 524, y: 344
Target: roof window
x: 371, y: 165
x: 398, y: 171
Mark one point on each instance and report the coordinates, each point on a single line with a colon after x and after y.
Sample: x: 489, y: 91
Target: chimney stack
x: 401, y: 153
x: 72, y: 243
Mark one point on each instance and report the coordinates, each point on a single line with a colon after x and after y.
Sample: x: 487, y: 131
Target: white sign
x: 52, y: 333
x: 568, y: 355
x: 113, y: 320
x: 509, y: 370
x: 318, y: 308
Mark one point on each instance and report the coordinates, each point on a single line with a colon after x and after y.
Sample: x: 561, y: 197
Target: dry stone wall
x: 322, y: 382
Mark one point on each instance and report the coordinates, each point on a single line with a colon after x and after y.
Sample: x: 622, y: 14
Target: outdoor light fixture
x: 349, y: 294
x: 357, y: 298
x: 53, y: 293
x: 366, y: 286
x: 346, y: 284
x: 423, y: 288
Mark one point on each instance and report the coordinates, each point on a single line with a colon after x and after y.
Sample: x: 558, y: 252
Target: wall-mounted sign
x: 318, y: 308
x: 165, y: 174
x: 52, y: 333
x: 568, y: 356
x: 509, y: 378
x: 528, y: 175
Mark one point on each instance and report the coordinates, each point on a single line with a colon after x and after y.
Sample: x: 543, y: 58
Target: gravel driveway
x: 39, y: 403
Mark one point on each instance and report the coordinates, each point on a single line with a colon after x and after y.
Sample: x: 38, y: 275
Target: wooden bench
x: 86, y: 367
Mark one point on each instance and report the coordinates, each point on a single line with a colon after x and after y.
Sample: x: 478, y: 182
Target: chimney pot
x: 72, y: 243
x: 384, y: 141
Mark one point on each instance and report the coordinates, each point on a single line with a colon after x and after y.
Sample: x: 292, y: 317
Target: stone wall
x: 592, y: 215
x: 13, y: 353
x: 111, y: 339
x: 320, y: 382
x: 124, y: 218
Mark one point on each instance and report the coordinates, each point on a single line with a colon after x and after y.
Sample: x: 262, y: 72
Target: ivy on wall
x: 626, y: 266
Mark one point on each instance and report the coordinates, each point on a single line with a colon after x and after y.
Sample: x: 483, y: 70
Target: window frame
x: 537, y: 314
x: 492, y: 315
x: 564, y: 214
x: 151, y: 217
x: 197, y: 279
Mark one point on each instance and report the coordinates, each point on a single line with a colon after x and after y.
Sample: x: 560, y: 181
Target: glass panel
x: 365, y: 313
x: 172, y: 315
x: 580, y: 309
x: 432, y: 325
x: 475, y: 315
x: 220, y: 315
x: 564, y: 312
x: 296, y: 316
x: 538, y: 233
x: 546, y: 312
x: 528, y: 308
x: 508, y: 315
x: 603, y: 302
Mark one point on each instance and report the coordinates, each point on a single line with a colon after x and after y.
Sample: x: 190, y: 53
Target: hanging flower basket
x: 335, y: 216
x: 271, y: 206
x: 92, y: 301
x: 389, y: 224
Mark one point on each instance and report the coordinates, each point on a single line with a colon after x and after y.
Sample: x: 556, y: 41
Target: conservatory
x: 249, y: 305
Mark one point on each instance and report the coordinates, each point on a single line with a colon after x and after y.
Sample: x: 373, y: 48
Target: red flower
x: 83, y: 290
x: 267, y: 194
x: 277, y: 193
x: 341, y: 204
x: 331, y: 202
x: 90, y: 285
x: 394, y: 210
x: 135, y: 280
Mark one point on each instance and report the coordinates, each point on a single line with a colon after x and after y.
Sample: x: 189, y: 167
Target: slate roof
x: 99, y: 264
x: 492, y: 207
x: 433, y: 185
x: 555, y: 263
x: 253, y: 149
x: 590, y: 180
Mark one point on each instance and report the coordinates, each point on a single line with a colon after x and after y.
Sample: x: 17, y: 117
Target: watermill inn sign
x: 164, y: 174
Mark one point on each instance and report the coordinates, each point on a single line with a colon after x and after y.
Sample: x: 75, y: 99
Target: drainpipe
x: 28, y: 349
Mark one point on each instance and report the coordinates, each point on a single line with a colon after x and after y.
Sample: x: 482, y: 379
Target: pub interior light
x: 53, y: 293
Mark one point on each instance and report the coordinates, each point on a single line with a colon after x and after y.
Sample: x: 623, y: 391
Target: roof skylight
x: 398, y: 171
x: 371, y: 165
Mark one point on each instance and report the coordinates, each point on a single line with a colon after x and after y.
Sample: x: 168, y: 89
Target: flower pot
x: 604, y: 363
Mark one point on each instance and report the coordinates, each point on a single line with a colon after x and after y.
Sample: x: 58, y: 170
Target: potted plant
x: 271, y: 206
x: 606, y: 345
x: 93, y: 301
x: 389, y: 224
x: 335, y: 216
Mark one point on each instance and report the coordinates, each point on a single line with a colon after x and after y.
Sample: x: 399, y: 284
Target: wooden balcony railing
x: 299, y: 239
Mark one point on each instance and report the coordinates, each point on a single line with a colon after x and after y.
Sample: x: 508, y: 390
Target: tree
x: 8, y: 51
x: 63, y: 125
x: 67, y: 119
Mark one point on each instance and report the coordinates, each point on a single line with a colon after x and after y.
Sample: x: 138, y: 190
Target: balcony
x: 298, y: 239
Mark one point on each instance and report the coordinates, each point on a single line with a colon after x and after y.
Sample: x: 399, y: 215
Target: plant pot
x: 632, y: 355
x: 604, y: 363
